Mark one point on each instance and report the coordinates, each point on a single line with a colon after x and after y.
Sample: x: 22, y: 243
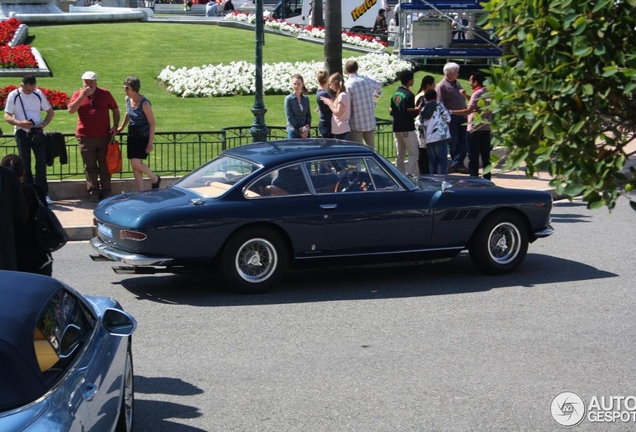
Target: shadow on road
x: 146, y: 414
x: 146, y: 410
x: 361, y: 283
x: 164, y: 385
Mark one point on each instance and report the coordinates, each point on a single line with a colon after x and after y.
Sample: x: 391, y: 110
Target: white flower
x: 237, y: 78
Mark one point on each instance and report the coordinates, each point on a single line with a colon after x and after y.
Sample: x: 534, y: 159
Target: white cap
x: 89, y: 75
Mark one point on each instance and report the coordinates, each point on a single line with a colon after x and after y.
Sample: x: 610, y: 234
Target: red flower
x: 57, y: 99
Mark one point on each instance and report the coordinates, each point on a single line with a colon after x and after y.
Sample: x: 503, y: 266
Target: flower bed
x: 237, y: 78
x: 19, y: 57
x: 348, y: 38
x: 57, y: 99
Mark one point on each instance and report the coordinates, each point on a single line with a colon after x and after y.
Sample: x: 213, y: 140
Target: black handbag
x: 35, y: 135
x: 49, y: 232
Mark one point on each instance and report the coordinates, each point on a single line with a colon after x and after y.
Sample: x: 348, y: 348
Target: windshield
x: 218, y: 176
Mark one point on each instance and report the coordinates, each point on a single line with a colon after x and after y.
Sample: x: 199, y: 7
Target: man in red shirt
x: 94, y: 132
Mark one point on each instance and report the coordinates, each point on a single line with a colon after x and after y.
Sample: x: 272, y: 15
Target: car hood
x: 136, y: 209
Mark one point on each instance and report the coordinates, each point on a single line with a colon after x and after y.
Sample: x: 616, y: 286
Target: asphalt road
x: 434, y: 347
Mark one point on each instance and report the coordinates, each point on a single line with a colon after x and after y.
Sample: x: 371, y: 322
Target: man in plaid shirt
x: 362, y: 91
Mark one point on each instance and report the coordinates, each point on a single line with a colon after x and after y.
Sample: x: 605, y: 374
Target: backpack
x: 49, y: 232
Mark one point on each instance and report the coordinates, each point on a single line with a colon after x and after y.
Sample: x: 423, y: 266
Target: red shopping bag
x: 113, y: 157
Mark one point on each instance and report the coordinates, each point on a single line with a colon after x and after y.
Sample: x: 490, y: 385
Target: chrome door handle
x: 328, y: 206
x: 91, y: 390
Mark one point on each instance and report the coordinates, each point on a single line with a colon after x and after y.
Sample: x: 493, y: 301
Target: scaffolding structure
x: 445, y: 30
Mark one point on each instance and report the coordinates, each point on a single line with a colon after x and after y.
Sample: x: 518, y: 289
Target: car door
x: 368, y: 211
x: 284, y: 197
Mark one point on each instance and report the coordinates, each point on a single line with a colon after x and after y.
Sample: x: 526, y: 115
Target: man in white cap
x: 94, y: 132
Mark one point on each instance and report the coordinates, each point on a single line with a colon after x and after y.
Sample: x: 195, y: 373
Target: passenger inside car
x: 290, y: 180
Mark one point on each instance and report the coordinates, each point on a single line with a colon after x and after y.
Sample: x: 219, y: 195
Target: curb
x: 80, y: 233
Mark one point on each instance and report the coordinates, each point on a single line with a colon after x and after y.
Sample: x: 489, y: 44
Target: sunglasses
x: 126, y: 88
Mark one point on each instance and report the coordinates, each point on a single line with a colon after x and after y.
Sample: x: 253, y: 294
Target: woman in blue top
x: 297, y: 109
x: 141, y: 132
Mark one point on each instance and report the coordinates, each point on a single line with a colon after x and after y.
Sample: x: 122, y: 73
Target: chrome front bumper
x: 545, y: 232
x: 129, y: 258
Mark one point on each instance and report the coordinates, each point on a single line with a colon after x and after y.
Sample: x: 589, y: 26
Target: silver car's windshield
x: 218, y: 176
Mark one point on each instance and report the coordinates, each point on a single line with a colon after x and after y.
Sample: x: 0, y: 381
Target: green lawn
x: 117, y: 50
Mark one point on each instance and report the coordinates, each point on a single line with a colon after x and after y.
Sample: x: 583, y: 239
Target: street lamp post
x: 258, y: 129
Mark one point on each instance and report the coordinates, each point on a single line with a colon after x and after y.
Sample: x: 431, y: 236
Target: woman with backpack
x: 434, y: 118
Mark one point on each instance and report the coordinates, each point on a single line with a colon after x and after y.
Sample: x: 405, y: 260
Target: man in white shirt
x: 24, y: 111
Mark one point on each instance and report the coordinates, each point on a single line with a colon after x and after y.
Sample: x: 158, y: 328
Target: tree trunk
x: 317, y: 19
x: 333, y: 37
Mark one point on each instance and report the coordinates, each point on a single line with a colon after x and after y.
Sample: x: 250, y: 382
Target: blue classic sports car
x: 258, y: 209
x: 65, y: 360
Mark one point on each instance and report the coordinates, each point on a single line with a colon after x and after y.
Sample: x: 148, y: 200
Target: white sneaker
x: 49, y: 200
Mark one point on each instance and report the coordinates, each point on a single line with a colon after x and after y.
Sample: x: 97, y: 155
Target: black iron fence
x: 177, y: 153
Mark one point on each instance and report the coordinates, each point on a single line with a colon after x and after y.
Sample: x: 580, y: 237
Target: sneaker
x: 49, y: 201
x: 93, y: 196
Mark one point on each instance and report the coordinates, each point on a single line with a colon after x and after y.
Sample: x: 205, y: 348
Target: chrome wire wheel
x: 500, y: 243
x: 504, y: 243
x: 256, y: 260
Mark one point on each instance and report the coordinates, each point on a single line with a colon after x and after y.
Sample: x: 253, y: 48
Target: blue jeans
x: 458, y: 140
x: 342, y: 136
x: 438, y: 157
x: 39, y: 151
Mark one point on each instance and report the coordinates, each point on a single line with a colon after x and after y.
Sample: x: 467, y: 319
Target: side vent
x: 454, y: 215
x: 449, y: 216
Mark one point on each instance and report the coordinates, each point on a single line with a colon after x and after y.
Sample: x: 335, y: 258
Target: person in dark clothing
x: 404, y: 112
x: 13, y: 211
x: 380, y: 26
x: 324, y: 124
x: 228, y: 6
x: 31, y: 257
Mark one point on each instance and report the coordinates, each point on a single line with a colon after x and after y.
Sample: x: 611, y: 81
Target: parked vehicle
x: 258, y: 209
x: 357, y: 15
x: 66, y: 359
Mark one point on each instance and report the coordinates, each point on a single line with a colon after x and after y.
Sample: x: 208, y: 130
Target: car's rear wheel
x: 500, y: 244
x: 254, y: 260
x: 125, y: 420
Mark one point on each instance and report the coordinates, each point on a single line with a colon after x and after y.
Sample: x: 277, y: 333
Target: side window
x: 323, y: 175
x: 382, y: 181
x: 62, y: 329
x: 353, y: 176
x: 289, y: 180
x: 349, y: 175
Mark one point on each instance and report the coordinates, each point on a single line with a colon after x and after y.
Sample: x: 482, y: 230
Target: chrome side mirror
x: 446, y: 186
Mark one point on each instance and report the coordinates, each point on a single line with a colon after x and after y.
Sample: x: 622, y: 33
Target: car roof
x: 284, y: 151
x: 23, y: 296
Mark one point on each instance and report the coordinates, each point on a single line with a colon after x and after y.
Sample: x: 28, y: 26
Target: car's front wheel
x: 125, y: 420
x: 500, y: 244
x: 254, y: 259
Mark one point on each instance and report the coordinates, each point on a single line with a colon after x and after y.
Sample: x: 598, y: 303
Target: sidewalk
x: 76, y: 215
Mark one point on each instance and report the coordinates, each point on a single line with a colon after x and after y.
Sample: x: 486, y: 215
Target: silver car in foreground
x: 65, y: 359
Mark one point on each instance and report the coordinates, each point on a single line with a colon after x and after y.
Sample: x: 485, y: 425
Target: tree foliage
x: 563, y: 95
